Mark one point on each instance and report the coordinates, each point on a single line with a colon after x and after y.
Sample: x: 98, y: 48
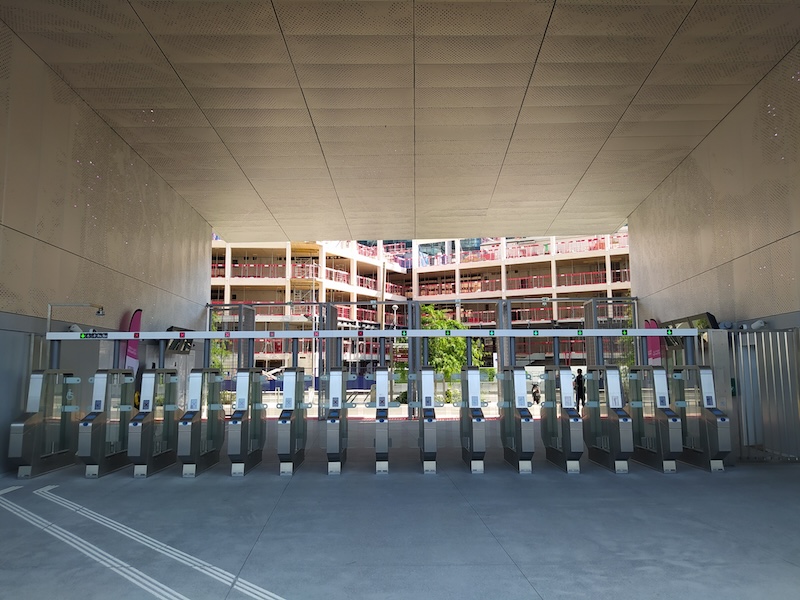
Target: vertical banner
x: 132, y: 347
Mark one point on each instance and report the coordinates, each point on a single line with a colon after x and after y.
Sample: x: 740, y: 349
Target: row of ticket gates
x: 657, y: 419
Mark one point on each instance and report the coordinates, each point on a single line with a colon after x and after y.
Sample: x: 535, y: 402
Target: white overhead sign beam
x: 371, y: 333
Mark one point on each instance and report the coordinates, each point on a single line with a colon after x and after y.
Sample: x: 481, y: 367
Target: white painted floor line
x: 145, y: 582
x: 250, y: 589
x: 10, y: 489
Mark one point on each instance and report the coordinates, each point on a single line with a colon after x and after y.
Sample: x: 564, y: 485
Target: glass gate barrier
x: 706, y: 429
x: 561, y: 424
x: 103, y: 432
x: 201, y: 429
x: 153, y: 431
x: 656, y: 426
x: 607, y: 427
x: 45, y: 438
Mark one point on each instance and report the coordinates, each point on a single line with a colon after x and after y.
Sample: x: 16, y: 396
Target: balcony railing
x: 619, y: 240
x: 477, y: 317
x: 484, y: 254
x: 366, y: 282
x: 529, y: 282
x: 428, y: 260
x: 526, y: 250
x: 336, y: 275
x: 570, y: 312
x: 393, y: 288
x: 587, y: 278
x: 367, y: 314
x: 437, y: 289
x: 258, y: 270
x: 305, y: 271
x: 620, y: 275
x: 533, y: 314
x: 371, y: 251
x: 483, y: 285
x: 584, y: 245
x: 218, y: 269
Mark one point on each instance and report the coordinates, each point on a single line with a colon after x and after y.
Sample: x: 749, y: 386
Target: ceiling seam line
x: 311, y: 118
x: 103, y: 119
x: 613, y: 129
x: 521, y: 106
x: 214, y: 129
x: 414, y: 114
x: 688, y: 154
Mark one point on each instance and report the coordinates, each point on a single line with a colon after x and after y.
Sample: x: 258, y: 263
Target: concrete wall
x: 722, y: 232
x: 82, y: 219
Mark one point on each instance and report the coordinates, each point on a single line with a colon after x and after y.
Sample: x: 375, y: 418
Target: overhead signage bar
x: 373, y: 333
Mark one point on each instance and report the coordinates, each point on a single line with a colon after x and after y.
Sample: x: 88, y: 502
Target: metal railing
x: 586, y: 278
x: 258, y: 270
x: 529, y: 282
x: 336, y: 275
x: 305, y: 271
x: 481, y: 285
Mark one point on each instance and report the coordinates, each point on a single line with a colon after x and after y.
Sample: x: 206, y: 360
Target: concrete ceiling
x: 291, y: 120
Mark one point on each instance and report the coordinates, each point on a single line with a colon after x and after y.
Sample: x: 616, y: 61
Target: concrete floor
x: 455, y: 535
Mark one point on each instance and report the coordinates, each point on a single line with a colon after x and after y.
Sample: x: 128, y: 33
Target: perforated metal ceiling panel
x: 294, y: 119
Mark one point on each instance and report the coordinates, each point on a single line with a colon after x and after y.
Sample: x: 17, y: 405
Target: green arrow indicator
x: 580, y: 331
x: 491, y: 332
x: 624, y: 332
x: 535, y: 332
x: 404, y: 332
x: 83, y: 336
x: 669, y: 331
x: 447, y: 332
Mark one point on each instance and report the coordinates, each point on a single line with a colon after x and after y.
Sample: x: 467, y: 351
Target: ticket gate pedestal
x: 516, y: 421
x: 202, y: 428
x: 657, y: 439
x: 382, y: 442
x: 336, y: 425
x: 607, y: 427
x: 473, y: 423
x: 247, y: 428
x: 292, y: 425
x: 427, y: 421
x: 153, y: 431
x: 562, y: 425
x: 103, y: 433
x: 706, y: 430
x: 45, y: 438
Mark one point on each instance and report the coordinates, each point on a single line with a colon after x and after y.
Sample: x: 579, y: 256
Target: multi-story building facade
x: 547, y: 281
x: 282, y: 281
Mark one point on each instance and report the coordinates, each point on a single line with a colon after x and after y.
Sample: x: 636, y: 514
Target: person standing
x: 579, y: 385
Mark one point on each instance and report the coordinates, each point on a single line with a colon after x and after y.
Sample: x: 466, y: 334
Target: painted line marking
x: 242, y: 585
x: 135, y: 576
x: 10, y: 489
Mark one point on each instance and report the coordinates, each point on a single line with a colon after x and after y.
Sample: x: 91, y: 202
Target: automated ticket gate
x: 382, y: 420
x: 103, y: 432
x: 706, y: 429
x: 516, y: 421
x: 46, y: 436
x: 336, y: 427
x: 561, y: 423
x: 292, y: 424
x: 607, y: 427
x: 656, y: 427
x: 427, y: 420
x: 473, y: 423
x: 153, y: 431
x: 247, y: 427
x: 201, y: 429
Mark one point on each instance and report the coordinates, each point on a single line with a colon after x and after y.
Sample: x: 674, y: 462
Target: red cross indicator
x: 271, y: 334
x: 183, y: 334
x: 227, y: 334
x: 360, y: 334
x: 316, y: 334
x: 136, y: 335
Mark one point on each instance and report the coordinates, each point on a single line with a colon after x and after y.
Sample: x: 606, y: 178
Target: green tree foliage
x: 220, y: 349
x: 448, y: 355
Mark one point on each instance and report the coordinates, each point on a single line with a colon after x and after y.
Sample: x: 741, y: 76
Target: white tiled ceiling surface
x: 396, y: 119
